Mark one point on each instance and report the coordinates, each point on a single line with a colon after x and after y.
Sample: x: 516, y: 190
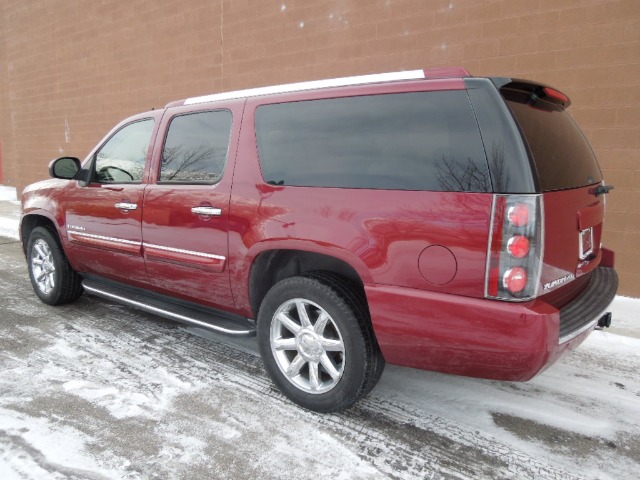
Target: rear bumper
x: 483, y: 338
x: 584, y: 311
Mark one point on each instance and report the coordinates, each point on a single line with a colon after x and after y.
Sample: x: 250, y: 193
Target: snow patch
x: 9, y: 214
x: 8, y: 194
x: 132, y: 398
x: 33, y: 447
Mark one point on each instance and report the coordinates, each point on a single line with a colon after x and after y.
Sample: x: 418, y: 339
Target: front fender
x: 40, y: 200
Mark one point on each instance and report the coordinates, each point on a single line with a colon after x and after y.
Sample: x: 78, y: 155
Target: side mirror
x: 64, y: 167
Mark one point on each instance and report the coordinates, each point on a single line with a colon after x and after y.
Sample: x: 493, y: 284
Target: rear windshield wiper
x: 601, y: 190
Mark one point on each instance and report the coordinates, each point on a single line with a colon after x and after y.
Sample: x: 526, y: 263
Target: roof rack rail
x: 332, y: 82
x: 312, y: 85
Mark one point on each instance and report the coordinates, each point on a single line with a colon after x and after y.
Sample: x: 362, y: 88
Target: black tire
x: 325, y: 369
x: 52, y: 278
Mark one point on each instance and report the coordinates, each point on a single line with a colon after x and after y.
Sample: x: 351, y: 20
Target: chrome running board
x: 163, y: 306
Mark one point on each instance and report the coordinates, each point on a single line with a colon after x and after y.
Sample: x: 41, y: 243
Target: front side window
x: 405, y: 141
x: 122, y: 159
x: 195, y: 150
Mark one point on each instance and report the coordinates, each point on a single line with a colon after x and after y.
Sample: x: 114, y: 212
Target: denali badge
x: 559, y: 281
x: 586, y: 243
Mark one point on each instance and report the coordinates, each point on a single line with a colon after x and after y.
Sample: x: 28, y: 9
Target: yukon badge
x: 559, y: 281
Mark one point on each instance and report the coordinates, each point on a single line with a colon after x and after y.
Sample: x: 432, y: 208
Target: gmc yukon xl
x: 425, y: 218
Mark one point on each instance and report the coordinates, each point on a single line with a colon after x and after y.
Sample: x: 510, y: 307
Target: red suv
x: 424, y: 218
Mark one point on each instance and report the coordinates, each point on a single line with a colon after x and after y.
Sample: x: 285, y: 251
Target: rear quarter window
x: 408, y: 141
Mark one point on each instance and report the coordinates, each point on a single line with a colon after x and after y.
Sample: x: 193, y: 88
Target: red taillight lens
x: 515, y: 279
x: 519, y: 215
x: 519, y: 246
x: 514, y: 263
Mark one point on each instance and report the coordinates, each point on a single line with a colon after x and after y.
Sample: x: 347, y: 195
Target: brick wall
x: 70, y: 70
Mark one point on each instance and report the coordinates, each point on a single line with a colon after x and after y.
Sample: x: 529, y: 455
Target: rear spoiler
x: 537, y: 95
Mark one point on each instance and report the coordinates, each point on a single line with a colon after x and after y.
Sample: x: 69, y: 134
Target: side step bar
x: 163, y: 306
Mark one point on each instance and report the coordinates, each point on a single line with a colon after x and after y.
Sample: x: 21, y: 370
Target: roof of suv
x: 445, y: 72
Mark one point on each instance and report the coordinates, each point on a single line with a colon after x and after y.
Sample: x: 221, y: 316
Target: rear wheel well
x: 272, y: 266
x: 32, y: 221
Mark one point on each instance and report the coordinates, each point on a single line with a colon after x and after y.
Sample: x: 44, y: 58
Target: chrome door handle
x: 126, y: 206
x: 211, y: 211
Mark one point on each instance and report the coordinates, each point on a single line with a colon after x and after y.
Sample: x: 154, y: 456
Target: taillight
x: 514, y: 259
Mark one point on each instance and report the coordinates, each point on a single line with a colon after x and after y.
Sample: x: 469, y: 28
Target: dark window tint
x: 507, y: 156
x: 196, y: 147
x: 410, y: 141
x: 123, y: 157
x: 560, y: 152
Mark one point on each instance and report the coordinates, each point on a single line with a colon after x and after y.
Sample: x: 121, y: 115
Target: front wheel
x: 316, y: 341
x: 53, y: 279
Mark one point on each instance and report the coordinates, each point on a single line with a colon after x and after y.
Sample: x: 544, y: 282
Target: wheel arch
x: 271, y: 266
x: 31, y: 221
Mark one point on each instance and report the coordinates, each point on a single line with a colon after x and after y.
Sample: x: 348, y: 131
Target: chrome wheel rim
x: 307, y: 346
x: 42, y: 267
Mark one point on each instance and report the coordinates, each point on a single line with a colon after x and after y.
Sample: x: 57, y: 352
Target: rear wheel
x: 316, y: 341
x: 53, y: 279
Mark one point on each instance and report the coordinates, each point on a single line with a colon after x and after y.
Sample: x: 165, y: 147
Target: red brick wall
x: 69, y: 70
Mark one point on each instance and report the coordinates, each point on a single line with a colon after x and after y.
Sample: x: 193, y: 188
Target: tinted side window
x: 511, y: 170
x: 195, y: 150
x: 408, y: 141
x: 123, y: 157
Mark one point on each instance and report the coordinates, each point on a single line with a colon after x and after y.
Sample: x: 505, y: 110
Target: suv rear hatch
x: 567, y: 174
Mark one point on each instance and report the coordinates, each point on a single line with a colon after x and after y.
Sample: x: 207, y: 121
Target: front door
x: 103, y: 219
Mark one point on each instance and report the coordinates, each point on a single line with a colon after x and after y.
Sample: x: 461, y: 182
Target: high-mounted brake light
x: 514, y: 259
x: 537, y: 96
x: 555, y: 95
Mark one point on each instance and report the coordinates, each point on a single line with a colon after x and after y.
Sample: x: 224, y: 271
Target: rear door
x: 568, y: 176
x: 186, y: 209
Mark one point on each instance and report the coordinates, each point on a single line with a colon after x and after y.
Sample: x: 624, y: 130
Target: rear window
x: 408, y: 141
x: 560, y: 152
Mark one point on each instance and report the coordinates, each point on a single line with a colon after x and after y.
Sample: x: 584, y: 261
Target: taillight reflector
x: 494, y: 282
